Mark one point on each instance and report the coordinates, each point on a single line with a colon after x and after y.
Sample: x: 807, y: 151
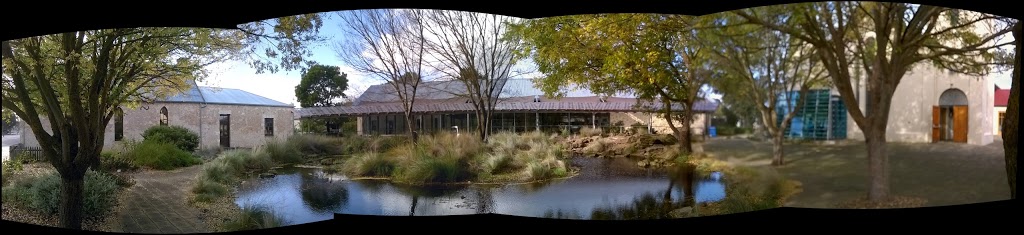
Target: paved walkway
x: 942, y: 173
x: 157, y: 203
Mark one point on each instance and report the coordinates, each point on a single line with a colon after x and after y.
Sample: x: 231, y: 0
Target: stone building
x: 441, y: 106
x: 222, y: 117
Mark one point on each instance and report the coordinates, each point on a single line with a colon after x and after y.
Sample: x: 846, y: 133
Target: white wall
x: 910, y: 116
x: 995, y: 119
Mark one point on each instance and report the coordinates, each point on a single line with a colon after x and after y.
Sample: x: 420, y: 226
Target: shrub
x: 208, y: 190
x: 226, y: 170
x: 112, y: 162
x: 371, y: 164
x: 588, y: 132
x: 441, y: 169
x: 255, y: 217
x: 160, y: 155
x: 42, y: 194
x: 180, y: 137
x: 283, y: 152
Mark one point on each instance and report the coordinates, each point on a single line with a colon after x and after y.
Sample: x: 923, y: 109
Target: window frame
x: 268, y: 126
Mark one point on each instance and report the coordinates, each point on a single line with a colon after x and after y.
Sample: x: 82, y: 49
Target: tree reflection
x: 322, y: 194
x: 652, y: 206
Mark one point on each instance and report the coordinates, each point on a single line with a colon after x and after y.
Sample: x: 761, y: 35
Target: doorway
x: 949, y: 118
x: 225, y: 130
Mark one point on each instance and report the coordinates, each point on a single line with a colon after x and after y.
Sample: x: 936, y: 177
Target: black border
x: 31, y: 18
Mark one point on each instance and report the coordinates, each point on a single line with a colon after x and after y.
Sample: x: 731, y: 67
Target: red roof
x: 1002, y: 97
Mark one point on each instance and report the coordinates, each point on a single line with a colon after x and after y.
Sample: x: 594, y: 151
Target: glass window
x: 163, y: 116
x: 268, y: 126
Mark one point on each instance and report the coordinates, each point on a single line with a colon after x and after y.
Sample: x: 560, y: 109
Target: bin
x: 712, y: 132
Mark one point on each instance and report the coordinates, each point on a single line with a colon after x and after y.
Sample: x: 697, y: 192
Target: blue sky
x: 281, y: 86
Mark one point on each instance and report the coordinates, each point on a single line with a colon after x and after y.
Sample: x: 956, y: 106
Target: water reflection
x: 605, y: 189
x: 322, y: 194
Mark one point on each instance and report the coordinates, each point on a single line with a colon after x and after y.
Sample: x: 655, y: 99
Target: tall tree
x: 655, y: 57
x: 472, y: 50
x: 885, y: 40
x: 387, y: 44
x: 766, y: 66
x: 66, y: 87
x: 1012, y: 114
x: 321, y: 86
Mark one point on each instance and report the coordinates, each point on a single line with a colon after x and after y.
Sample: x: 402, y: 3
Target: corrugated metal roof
x: 216, y: 95
x: 435, y: 90
x: 440, y: 96
x: 622, y: 105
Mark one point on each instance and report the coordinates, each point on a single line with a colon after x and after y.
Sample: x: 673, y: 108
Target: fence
x: 21, y: 153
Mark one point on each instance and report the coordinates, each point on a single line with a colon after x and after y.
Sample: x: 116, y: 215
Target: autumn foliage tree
x: 886, y: 40
x: 656, y: 57
x: 66, y: 87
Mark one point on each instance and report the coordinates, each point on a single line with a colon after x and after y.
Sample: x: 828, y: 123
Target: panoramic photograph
x: 430, y: 112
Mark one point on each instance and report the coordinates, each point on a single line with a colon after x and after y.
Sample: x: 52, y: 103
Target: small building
x: 441, y: 106
x: 1002, y: 97
x: 222, y: 117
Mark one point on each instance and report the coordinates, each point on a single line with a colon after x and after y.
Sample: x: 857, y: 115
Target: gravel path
x: 941, y: 173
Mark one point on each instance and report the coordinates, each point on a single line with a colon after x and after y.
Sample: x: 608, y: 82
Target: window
x: 118, y: 124
x: 1001, y: 115
x: 268, y: 126
x: 163, y: 116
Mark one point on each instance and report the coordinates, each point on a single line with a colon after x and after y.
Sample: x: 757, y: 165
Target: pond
x: 604, y: 189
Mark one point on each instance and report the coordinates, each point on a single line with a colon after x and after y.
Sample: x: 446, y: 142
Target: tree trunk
x: 71, y: 198
x: 483, y: 126
x: 777, y: 151
x: 409, y: 124
x: 683, y: 135
x: 878, y: 163
x: 1010, y: 120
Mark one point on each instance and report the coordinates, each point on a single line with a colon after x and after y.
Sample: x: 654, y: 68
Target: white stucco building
x: 932, y: 104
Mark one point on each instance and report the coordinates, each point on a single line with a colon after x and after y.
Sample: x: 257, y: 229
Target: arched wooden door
x: 950, y: 117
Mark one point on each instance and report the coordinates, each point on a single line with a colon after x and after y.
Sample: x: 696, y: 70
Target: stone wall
x: 247, y: 123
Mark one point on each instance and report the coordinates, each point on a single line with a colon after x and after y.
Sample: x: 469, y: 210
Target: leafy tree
x: 321, y: 86
x: 885, y: 40
x: 387, y: 44
x: 66, y: 87
x: 655, y: 57
x: 764, y: 66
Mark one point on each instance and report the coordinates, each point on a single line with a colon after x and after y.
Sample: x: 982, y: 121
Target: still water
x: 604, y: 189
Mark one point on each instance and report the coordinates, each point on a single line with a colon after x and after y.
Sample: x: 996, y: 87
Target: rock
x: 643, y: 163
x: 681, y: 212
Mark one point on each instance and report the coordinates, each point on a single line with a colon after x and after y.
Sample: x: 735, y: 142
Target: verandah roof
x: 448, y: 107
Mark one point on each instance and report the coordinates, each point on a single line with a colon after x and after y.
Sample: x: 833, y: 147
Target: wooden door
x: 960, y: 124
x: 936, y: 126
